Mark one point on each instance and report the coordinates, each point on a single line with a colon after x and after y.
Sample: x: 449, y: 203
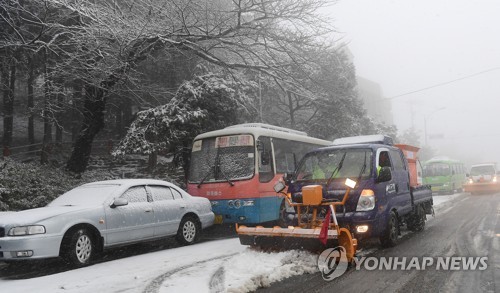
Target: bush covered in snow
x: 29, y: 185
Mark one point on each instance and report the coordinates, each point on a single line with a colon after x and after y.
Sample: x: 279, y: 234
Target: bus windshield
x: 222, y: 158
x: 437, y: 169
x: 341, y: 163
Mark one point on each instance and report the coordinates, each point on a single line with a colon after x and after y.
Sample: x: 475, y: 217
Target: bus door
x: 269, y: 201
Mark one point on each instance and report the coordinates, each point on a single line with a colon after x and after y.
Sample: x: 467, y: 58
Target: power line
x: 444, y: 83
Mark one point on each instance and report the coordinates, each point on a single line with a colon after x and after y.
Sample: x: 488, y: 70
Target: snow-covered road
x: 213, y: 266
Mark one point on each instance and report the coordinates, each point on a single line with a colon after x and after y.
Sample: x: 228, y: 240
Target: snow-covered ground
x: 214, y: 266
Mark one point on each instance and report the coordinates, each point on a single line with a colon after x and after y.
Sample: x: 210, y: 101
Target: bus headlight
x: 366, y: 201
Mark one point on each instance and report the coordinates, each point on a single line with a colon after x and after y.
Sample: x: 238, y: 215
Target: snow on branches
x: 205, y: 103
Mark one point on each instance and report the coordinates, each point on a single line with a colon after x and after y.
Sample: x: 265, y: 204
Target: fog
x: 438, y: 62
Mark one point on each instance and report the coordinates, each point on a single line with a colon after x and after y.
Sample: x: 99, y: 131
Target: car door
x: 166, y: 210
x: 133, y: 221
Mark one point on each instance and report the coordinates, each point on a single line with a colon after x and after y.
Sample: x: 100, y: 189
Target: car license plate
x: 218, y: 219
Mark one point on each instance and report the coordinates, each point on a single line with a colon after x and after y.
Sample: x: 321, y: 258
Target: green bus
x: 445, y: 176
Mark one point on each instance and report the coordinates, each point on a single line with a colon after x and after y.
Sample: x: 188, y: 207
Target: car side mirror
x: 279, y: 186
x: 119, y: 202
x: 384, y: 174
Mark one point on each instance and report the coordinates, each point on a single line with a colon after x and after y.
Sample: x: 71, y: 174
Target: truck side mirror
x: 384, y: 175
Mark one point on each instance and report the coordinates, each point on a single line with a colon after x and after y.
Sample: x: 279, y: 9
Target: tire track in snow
x: 216, y: 280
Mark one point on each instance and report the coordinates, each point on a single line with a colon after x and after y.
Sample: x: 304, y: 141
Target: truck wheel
x: 416, y: 223
x: 391, y: 234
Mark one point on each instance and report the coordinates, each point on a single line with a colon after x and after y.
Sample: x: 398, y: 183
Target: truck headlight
x: 366, y: 201
x: 26, y: 230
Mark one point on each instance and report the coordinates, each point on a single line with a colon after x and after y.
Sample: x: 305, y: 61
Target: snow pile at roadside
x: 244, y: 272
x: 252, y: 269
x: 441, y: 202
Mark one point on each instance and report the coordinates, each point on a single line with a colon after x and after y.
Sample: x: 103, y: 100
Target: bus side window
x: 266, y: 168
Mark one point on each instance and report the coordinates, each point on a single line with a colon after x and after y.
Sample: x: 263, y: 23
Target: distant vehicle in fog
x: 100, y: 215
x: 483, y: 178
x: 444, y: 175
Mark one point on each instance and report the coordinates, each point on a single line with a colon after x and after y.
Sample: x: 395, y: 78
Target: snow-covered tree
x: 208, y: 102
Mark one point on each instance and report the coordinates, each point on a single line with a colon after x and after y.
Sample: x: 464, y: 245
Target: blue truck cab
x: 386, y: 195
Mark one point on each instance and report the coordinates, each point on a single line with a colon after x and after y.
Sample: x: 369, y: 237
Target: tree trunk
x: 93, y: 121
x: 31, y: 104
x: 59, y: 126
x: 9, y: 79
x: 152, y: 161
x: 291, y: 110
x: 47, y: 123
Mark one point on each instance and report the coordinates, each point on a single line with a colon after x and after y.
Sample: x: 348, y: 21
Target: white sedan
x: 100, y: 215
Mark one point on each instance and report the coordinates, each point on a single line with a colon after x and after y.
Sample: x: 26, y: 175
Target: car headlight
x: 494, y: 179
x: 26, y: 230
x: 471, y: 181
x: 366, y: 201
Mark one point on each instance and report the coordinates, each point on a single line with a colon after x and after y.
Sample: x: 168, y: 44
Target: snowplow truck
x: 386, y: 196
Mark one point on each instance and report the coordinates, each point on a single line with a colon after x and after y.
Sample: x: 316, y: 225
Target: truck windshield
x: 222, y: 158
x: 437, y: 169
x: 482, y: 170
x: 341, y: 163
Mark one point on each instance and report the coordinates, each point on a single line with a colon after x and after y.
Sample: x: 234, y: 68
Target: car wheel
x: 391, y: 234
x: 79, y: 248
x: 189, y: 231
x: 416, y: 222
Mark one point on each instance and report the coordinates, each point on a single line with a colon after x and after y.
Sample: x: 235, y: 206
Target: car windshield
x: 85, y: 195
x: 437, y: 169
x: 482, y: 170
x: 345, y: 163
x: 222, y: 158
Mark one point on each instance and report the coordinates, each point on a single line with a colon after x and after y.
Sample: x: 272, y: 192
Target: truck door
x: 401, y: 179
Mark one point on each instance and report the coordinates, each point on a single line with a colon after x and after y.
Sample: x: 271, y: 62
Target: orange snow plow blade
x: 307, y: 234
x: 482, y: 187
